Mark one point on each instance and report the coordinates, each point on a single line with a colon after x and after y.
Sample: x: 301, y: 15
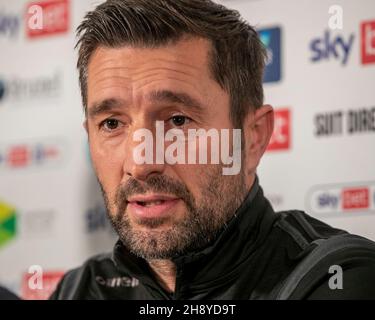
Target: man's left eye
x: 179, y: 120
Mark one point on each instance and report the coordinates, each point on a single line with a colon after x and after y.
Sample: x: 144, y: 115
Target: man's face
x: 159, y: 210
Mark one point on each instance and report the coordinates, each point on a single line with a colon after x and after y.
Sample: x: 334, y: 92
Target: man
x: 186, y: 230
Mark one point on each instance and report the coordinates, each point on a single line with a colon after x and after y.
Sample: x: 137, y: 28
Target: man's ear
x: 259, y: 128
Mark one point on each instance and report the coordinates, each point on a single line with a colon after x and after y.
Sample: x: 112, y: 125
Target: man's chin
x: 152, y: 225
x: 153, y: 243
x: 161, y: 238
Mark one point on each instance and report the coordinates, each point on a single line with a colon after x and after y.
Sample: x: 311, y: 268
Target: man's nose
x: 140, y: 160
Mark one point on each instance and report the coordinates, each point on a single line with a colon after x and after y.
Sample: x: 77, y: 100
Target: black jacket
x: 250, y: 259
x: 5, y: 294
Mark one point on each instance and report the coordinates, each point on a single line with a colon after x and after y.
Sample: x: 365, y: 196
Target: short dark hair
x: 237, y: 57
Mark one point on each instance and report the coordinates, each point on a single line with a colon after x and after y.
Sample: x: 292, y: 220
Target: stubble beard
x: 202, y: 222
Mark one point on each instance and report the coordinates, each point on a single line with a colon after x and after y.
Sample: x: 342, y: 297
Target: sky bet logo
x: 40, y: 18
x: 339, y: 199
x: 271, y: 38
x: 338, y: 47
x: 47, y: 18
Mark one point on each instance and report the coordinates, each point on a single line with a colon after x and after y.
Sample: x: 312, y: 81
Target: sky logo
x: 331, y: 47
x: 327, y: 200
x: 271, y: 38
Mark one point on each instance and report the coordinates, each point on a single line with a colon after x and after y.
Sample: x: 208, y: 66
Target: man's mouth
x: 151, y: 206
x: 150, y: 203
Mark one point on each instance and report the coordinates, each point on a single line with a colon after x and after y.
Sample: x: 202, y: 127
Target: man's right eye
x: 110, y: 124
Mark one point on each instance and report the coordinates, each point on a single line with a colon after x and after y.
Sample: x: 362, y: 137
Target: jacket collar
x: 218, y: 263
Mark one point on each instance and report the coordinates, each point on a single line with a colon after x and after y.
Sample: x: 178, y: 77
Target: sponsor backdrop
x: 320, y: 78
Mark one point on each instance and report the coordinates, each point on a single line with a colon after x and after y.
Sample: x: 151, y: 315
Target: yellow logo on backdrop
x: 8, y: 222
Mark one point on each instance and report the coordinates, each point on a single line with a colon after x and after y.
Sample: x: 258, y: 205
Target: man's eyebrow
x: 164, y: 96
x: 168, y: 96
x: 104, y: 106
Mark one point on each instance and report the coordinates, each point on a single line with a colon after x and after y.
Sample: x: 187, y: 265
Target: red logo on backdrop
x: 357, y: 198
x: 368, y: 42
x: 18, y: 156
x: 280, y: 139
x: 47, y: 18
x: 49, y: 282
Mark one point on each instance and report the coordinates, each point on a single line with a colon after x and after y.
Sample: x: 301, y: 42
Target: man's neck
x: 165, y: 272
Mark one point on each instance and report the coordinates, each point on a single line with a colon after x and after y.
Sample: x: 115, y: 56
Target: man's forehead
x: 188, y: 52
x: 179, y: 66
